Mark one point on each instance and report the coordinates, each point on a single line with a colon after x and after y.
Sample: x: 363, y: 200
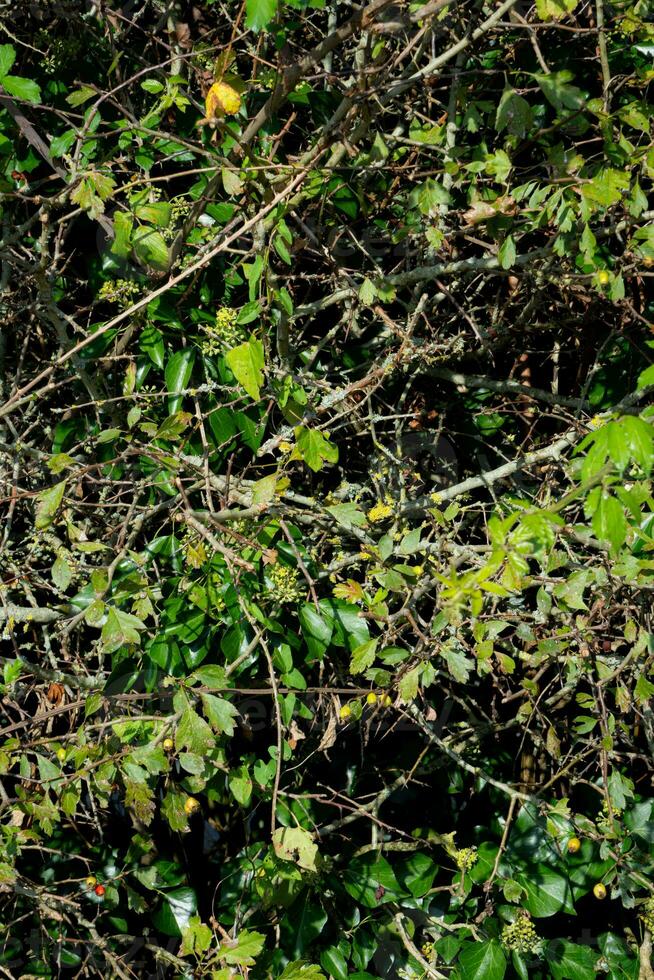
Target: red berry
x: 99, y: 890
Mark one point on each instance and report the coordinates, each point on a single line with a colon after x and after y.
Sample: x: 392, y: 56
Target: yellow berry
x: 599, y: 891
x: 168, y: 745
x: 345, y: 712
x: 386, y: 700
x: 61, y: 754
x: 574, y: 844
x: 191, y: 805
x: 371, y: 698
x: 91, y: 882
x: 603, y: 277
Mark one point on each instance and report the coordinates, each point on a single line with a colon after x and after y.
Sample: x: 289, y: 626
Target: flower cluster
x: 121, y: 291
x: 224, y: 333
x: 284, y: 583
x: 521, y: 935
x: 465, y: 858
x: 646, y: 914
x: 179, y: 209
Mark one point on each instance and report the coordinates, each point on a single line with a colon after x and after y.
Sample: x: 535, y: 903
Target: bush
x: 327, y: 490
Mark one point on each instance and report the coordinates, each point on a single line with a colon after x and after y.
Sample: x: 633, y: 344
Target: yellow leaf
x: 222, y: 100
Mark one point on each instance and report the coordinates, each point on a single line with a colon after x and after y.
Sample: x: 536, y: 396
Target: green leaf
x: 150, y: 248
x: 62, y: 573
x: 546, y: 891
x: 513, y: 114
x: 120, y: 629
x: 555, y: 9
x: 507, y: 253
x: 48, y: 503
x: 367, y: 292
x: 193, y: 733
x: 221, y: 713
x: 317, y: 630
x: 246, y: 364
x: 7, y: 58
x: 315, y: 448
x: 211, y: 676
x: 178, y: 373
x: 21, y: 88
x: 333, y: 961
x: 243, y: 952
x: 557, y: 90
x: 297, y: 845
x: 240, y: 785
x: 196, y: 938
x: 157, y: 213
x: 482, y: 961
x: 609, y: 521
x: 370, y: 880
x: 80, y: 95
x: 174, y: 914
x: 363, y: 656
x: 640, y: 439
x: 568, y: 961
x: 348, y: 515
x: 259, y: 13
x: 299, y: 970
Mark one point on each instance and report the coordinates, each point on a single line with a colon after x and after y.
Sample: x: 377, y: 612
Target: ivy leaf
x: 48, y: 503
x: 568, y: 961
x: 246, y: 364
x: 482, y: 961
x: 547, y: 891
x: 259, y: 13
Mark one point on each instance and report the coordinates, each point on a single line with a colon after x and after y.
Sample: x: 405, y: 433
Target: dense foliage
x: 327, y: 516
